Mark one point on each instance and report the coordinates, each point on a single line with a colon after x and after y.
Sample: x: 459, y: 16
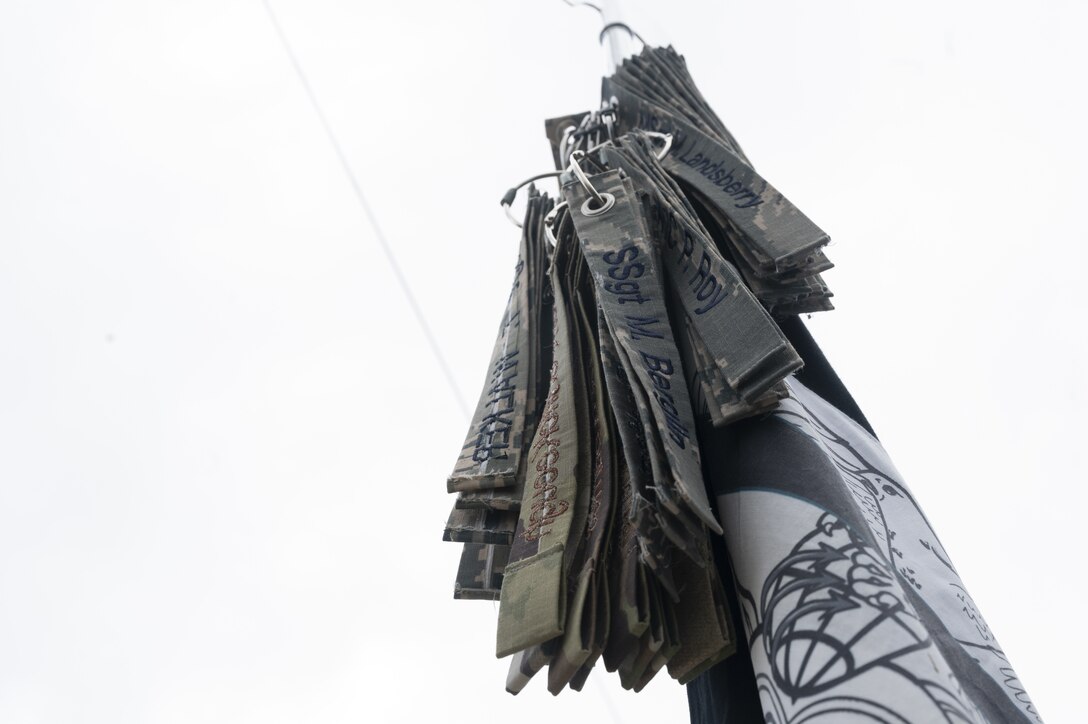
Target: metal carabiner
x: 508, y: 198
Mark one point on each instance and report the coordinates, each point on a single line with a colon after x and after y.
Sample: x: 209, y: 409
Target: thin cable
x: 389, y: 256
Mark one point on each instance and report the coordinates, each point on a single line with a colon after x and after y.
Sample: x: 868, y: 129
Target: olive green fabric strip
x: 574, y: 646
x: 628, y: 587
x: 633, y: 667
x: 581, y: 636
x: 705, y: 629
x: 533, y: 601
x: 669, y: 647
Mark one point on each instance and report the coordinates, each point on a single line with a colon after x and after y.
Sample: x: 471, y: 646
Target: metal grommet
x: 607, y: 201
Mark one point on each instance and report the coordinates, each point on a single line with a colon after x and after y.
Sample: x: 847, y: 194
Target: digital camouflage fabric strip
x: 663, y: 473
x: 491, y: 455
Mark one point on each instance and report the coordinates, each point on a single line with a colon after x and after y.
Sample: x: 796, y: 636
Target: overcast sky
x: 224, y: 439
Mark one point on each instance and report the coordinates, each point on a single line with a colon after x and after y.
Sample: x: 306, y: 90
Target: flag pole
x: 616, y: 37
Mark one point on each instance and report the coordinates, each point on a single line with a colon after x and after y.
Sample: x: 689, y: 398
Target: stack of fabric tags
x: 650, y: 345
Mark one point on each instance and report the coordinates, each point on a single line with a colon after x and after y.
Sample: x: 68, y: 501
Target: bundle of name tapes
x: 643, y: 307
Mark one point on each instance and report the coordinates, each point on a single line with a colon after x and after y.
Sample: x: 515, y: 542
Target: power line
x: 369, y: 212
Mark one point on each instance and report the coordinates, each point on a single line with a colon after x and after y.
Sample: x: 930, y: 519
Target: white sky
x: 224, y: 441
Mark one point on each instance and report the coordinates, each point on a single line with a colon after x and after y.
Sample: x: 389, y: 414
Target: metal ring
x: 582, y: 178
x: 549, y: 220
x: 550, y: 217
x: 580, y: 137
x: 551, y: 235
x: 621, y: 26
x: 564, y: 142
x: 607, y: 202
x: 666, y: 138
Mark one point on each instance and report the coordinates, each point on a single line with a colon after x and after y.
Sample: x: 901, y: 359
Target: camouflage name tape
x: 705, y: 629
x: 629, y: 428
x: 570, y: 273
x: 670, y: 646
x: 794, y: 292
x: 584, y: 615
x: 642, y: 104
x: 480, y: 526
x: 669, y: 58
x: 479, y: 575
x: 491, y: 454
x: 652, y: 483
x: 699, y: 387
x: 640, y: 79
x: 533, y: 601
x: 773, y: 225
x: 682, y: 93
x: 692, y: 260
x: 491, y: 499
x: 629, y: 286
x: 628, y: 587
x: 750, y: 350
x: 633, y: 668
x: 665, y: 521
x: 579, y: 292
x: 539, y: 296
x: 654, y: 89
x: 776, y: 229
x: 723, y: 403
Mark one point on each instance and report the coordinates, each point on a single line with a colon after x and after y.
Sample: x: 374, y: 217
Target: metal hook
x: 621, y: 26
x: 605, y: 201
x: 666, y: 138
